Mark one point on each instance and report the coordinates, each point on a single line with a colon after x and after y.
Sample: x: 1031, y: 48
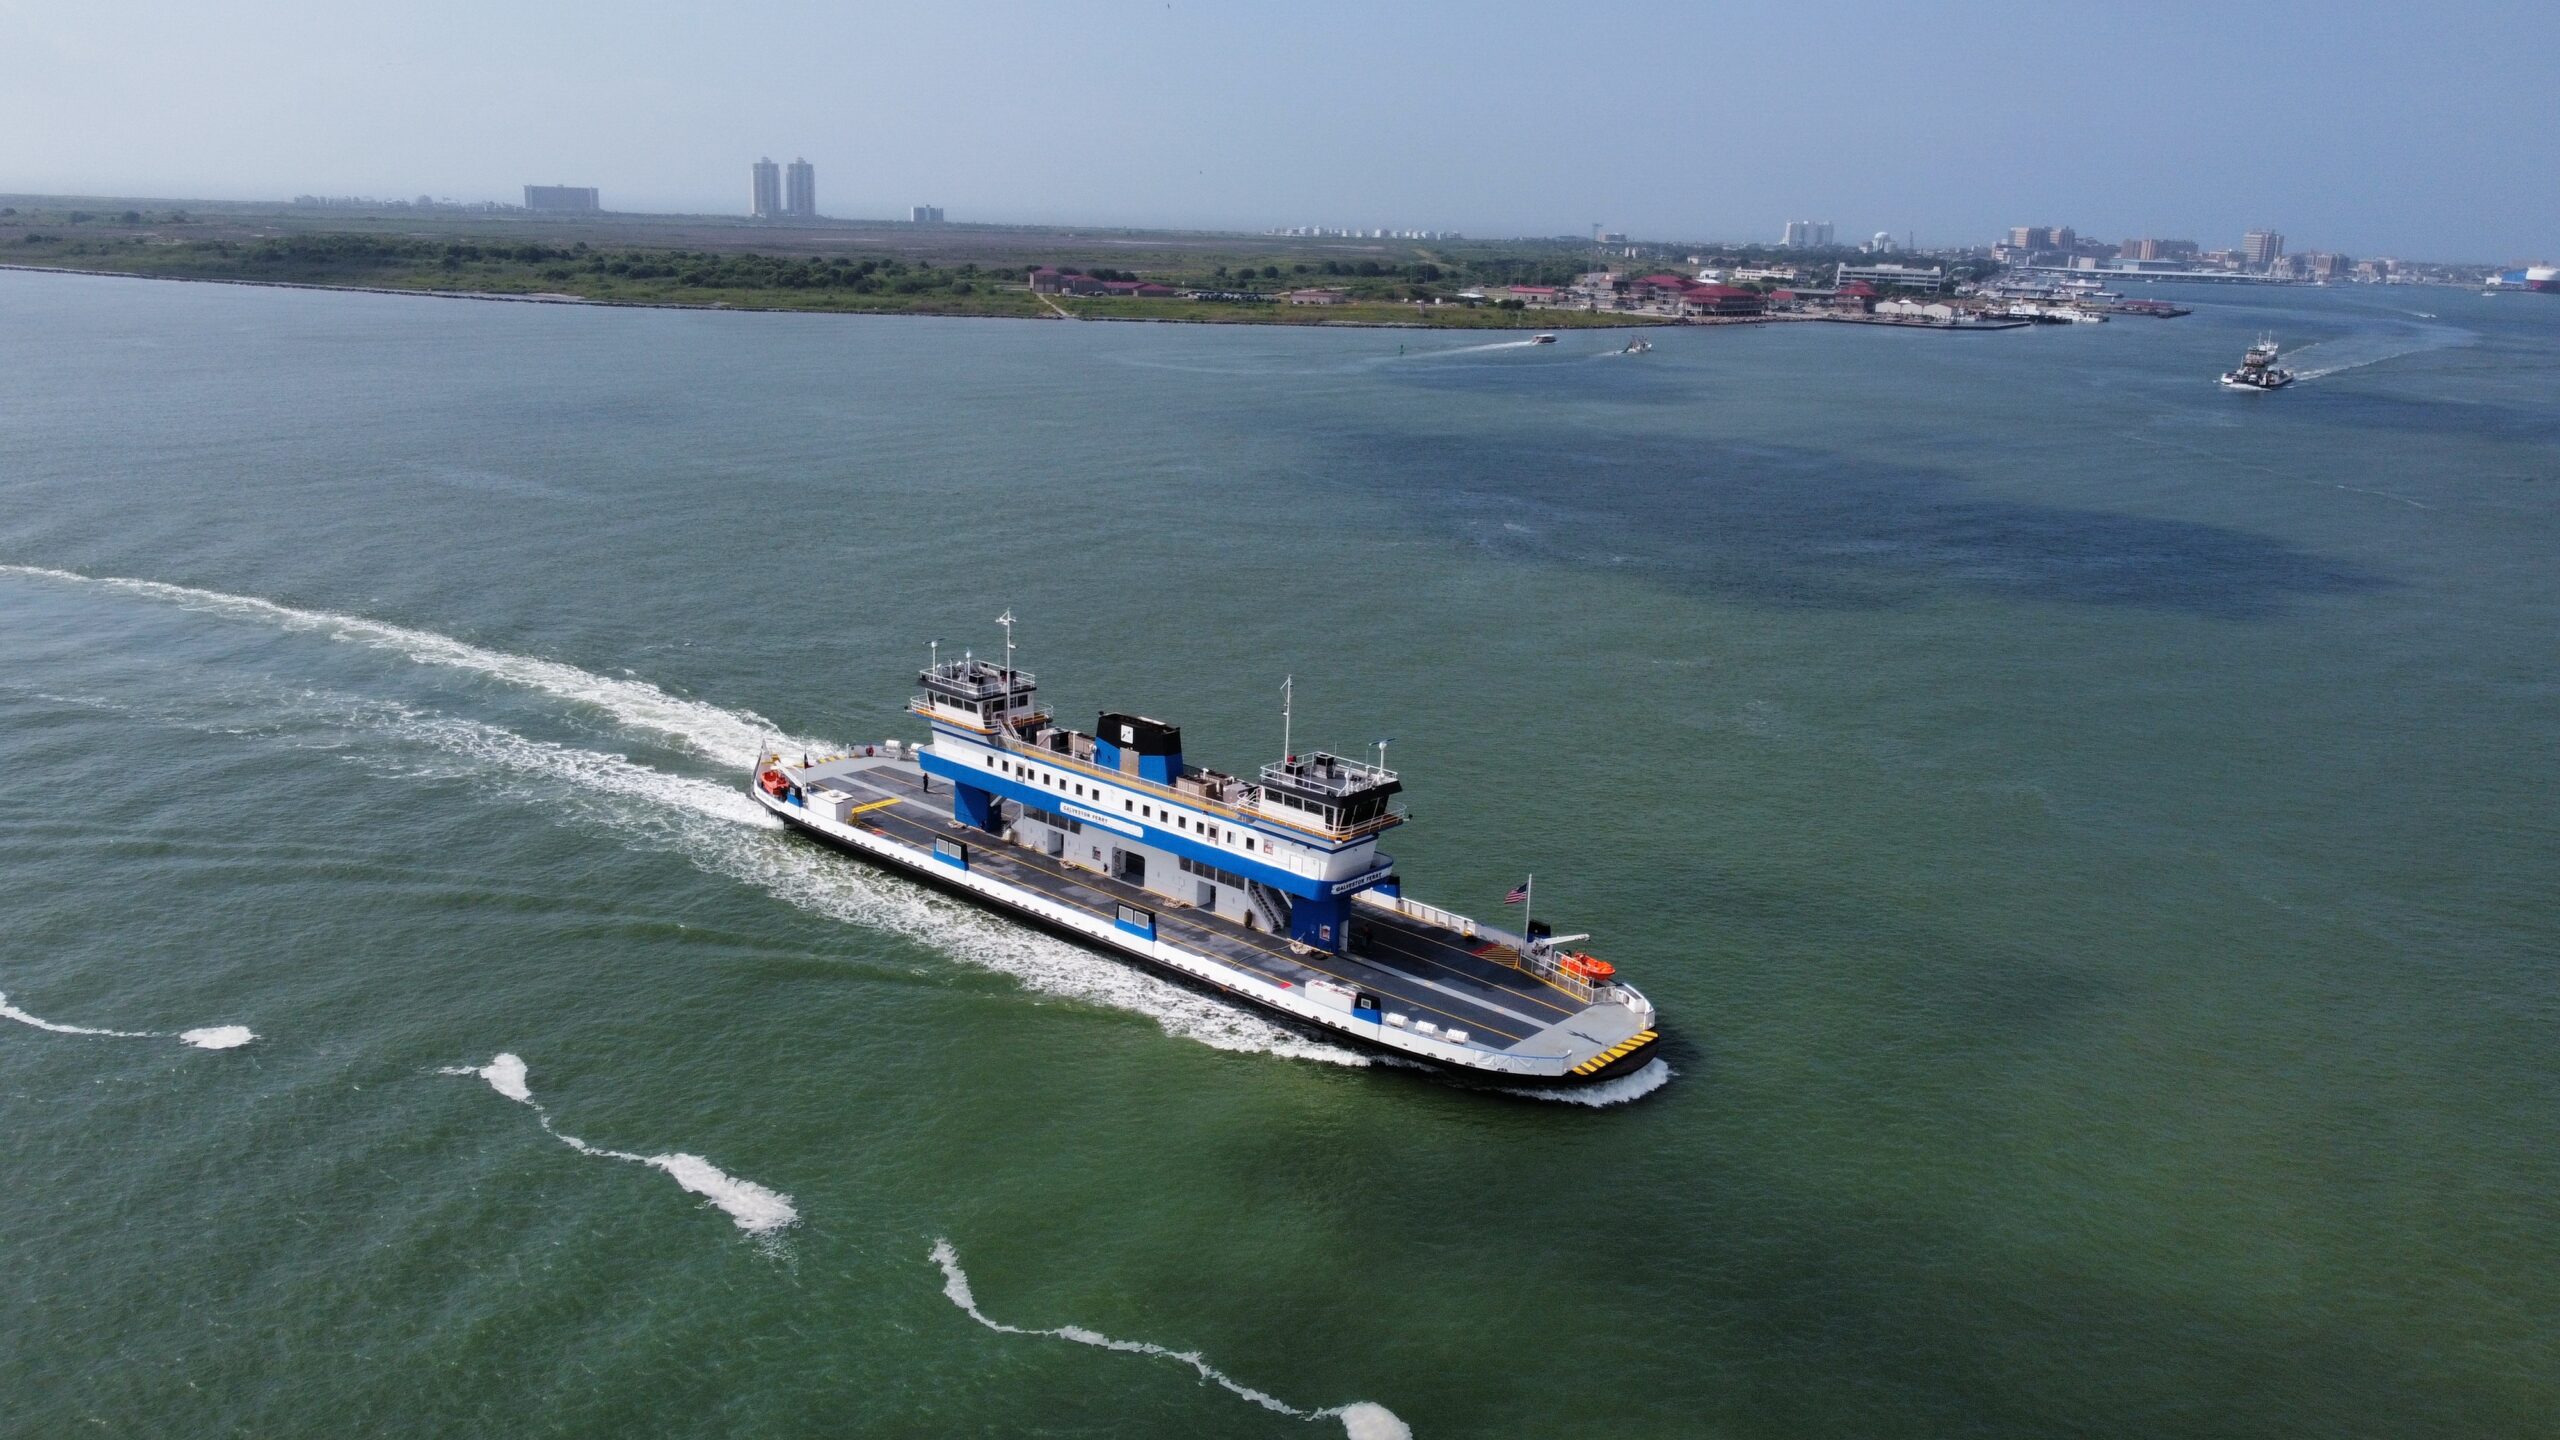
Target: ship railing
x: 1449, y: 920
x: 1003, y: 739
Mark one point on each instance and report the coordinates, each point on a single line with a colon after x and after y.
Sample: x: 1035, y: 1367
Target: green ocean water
x: 2091, y: 838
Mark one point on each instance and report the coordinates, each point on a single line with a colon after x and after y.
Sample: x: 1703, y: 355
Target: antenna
x: 1382, y: 751
x: 1288, y: 700
x: 1006, y: 620
x: 934, y: 653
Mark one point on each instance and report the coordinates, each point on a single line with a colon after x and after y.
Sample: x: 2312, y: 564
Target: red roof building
x: 1722, y: 300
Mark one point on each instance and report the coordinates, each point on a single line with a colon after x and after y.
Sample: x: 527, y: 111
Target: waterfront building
x: 768, y: 189
x: 800, y: 190
x: 1890, y: 276
x: 925, y: 215
x: 1722, y: 300
x: 560, y: 199
x: 1318, y: 297
x: 2260, y: 248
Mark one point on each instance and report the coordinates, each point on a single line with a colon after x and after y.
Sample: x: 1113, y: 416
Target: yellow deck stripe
x: 874, y: 805
x: 1026, y: 859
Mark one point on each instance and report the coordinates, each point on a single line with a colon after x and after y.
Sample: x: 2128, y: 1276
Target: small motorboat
x: 1542, y: 340
x: 1637, y: 346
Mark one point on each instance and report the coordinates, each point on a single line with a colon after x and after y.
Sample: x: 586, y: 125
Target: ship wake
x: 728, y: 736
x: 753, y: 1208
x: 1634, y: 1086
x: 711, y: 823
x: 210, y: 1037
x: 1361, y: 1420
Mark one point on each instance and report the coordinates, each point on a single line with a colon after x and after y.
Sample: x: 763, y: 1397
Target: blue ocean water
x: 2090, y: 835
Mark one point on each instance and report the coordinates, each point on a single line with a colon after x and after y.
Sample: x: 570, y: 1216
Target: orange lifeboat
x: 1590, y: 969
x: 775, y: 783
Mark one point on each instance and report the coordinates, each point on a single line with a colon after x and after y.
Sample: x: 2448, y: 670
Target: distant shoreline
x: 557, y: 298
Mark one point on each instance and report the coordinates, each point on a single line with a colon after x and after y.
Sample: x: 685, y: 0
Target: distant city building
x: 2260, y: 248
x: 768, y: 189
x: 1807, y: 235
x: 2034, y: 238
x: 569, y: 199
x: 1882, y: 243
x: 2327, y: 266
x: 1882, y: 276
x: 927, y: 215
x: 800, y: 190
x: 2149, y: 249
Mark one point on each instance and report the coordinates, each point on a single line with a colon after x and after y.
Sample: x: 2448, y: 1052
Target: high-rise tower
x: 768, y: 179
x: 800, y: 190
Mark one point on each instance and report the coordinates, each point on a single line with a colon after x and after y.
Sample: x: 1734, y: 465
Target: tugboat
x: 2258, y: 369
x: 1271, y: 891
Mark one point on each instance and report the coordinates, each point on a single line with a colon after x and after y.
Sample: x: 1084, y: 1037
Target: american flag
x: 1519, y: 893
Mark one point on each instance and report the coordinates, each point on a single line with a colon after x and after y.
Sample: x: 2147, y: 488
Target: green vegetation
x: 973, y: 273
x: 629, y: 276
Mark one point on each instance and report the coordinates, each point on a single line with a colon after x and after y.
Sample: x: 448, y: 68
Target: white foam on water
x: 1361, y: 1420
x: 719, y: 828
x: 757, y: 1209
x: 1644, y: 1081
x: 730, y: 736
x: 214, y: 1037
x: 219, y: 1037
x: 723, y: 832
x: 505, y: 1074
x: 22, y: 1017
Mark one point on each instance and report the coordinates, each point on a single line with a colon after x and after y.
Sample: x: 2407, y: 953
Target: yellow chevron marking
x: 1617, y: 1052
x: 874, y: 805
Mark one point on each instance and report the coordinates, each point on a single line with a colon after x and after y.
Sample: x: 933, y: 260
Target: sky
x: 2423, y: 131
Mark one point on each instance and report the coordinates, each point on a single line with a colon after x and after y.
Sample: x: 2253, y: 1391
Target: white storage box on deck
x: 834, y: 804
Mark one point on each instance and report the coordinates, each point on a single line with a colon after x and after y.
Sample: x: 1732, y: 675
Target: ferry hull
x: 922, y: 866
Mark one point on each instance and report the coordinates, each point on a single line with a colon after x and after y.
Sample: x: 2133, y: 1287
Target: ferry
x: 2258, y: 369
x: 1269, y: 890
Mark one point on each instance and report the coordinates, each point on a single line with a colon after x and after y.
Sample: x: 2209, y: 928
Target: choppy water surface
x: 2090, y: 834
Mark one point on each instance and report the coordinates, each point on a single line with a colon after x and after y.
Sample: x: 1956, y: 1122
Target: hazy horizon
x: 2379, y: 130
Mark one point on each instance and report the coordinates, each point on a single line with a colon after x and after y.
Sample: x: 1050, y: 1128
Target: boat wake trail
x: 211, y: 1037
x: 1362, y: 1420
x: 722, y: 832
x: 711, y: 823
x: 1470, y: 349
x: 1636, y: 1086
x: 728, y: 736
x: 750, y: 1206
x: 2344, y: 354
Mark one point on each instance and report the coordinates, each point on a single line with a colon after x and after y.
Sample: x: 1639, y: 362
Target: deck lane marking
x: 1490, y: 985
x: 1020, y: 861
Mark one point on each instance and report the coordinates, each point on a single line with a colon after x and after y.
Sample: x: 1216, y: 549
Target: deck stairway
x: 1270, y: 905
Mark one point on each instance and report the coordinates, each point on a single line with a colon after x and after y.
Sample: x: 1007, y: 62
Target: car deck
x: 1417, y: 969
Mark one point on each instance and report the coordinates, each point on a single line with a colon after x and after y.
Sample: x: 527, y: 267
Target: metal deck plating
x: 1458, y: 999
